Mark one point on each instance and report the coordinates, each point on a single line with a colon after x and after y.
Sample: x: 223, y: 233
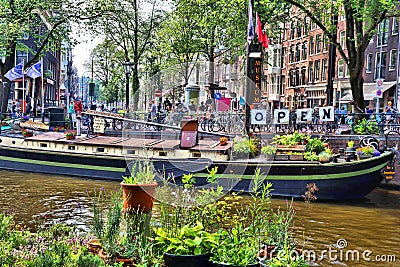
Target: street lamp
x: 128, y: 66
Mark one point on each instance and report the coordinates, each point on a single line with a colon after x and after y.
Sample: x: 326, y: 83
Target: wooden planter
x: 138, y: 197
x: 280, y: 157
x: 296, y: 157
x: 70, y: 137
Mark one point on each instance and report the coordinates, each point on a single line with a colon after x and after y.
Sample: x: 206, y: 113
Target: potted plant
x: 189, y: 246
x: 70, y: 135
x: 365, y: 152
x: 223, y: 140
x: 138, y: 189
x: 27, y: 133
x: 244, y: 148
x: 268, y: 151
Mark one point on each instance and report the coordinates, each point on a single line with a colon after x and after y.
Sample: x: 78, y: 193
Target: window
x: 276, y: 57
x: 318, y: 44
x: 383, y: 33
x: 24, y: 36
x: 303, y: 75
x: 380, y: 68
x: 343, y: 39
x: 325, y: 43
x: 347, y: 74
x: 395, y: 26
x: 22, y: 55
x: 282, y: 89
x: 393, y: 59
x: 369, y: 63
x: 340, y: 68
x: 292, y: 30
x: 310, y: 73
x: 291, y: 54
x: 284, y: 57
x: 306, y: 26
x: 297, y: 78
x: 323, y: 71
x: 298, y: 49
x: 299, y: 29
x: 317, y: 70
x: 304, y: 52
x: 311, y: 45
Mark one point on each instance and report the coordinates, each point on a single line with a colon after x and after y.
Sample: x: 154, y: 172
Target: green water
x: 369, y: 224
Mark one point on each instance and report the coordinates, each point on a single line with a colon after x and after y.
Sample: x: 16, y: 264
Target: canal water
x: 339, y: 233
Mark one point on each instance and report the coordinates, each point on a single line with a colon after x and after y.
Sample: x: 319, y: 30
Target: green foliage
x: 364, y: 126
x: 315, y: 145
x: 142, y: 172
x: 311, y: 156
x: 246, y: 145
x: 190, y: 240
x: 291, y: 139
x: 350, y: 143
x: 324, y: 157
x: 268, y: 150
x: 57, y: 245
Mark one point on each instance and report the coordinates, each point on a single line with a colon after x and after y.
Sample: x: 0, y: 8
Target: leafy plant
x: 142, y: 172
x: 291, y: 139
x: 190, y: 240
x: 324, y: 157
x: 366, y: 150
x: 315, y: 145
x: 246, y: 145
x: 311, y: 156
x: 268, y: 150
x: 350, y: 143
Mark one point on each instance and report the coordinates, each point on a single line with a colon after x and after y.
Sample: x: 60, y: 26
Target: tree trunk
x: 357, y: 84
x: 5, y: 91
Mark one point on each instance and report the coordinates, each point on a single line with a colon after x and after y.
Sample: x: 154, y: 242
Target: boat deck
x: 203, y: 145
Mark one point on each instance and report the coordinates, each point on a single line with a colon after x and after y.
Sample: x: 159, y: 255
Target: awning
x: 369, y: 91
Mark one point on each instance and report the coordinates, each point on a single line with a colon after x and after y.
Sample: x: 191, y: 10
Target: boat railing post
x: 78, y: 125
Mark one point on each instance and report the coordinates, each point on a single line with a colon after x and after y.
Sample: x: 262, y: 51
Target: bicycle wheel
x: 214, y: 126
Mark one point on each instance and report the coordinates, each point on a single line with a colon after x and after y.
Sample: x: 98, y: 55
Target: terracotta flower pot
x: 70, y: 137
x: 126, y: 262
x: 138, y: 197
x: 94, y: 246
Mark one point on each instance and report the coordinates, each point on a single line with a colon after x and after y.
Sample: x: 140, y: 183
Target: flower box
x: 297, y: 157
x: 281, y: 157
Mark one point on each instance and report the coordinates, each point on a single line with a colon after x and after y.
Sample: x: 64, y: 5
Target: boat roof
x: 164, y: 144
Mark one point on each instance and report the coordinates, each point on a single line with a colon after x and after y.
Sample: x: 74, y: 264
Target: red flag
x: 262, y: 37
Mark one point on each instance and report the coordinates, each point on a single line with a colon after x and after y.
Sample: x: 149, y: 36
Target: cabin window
x: 13, y: 142
x: 100, y: 149
x: 1, y: 140
x: 196, y: 155
x: 43, y: 145
x: 71, y: 147
x: 162, y: 154
x: 130, y: 152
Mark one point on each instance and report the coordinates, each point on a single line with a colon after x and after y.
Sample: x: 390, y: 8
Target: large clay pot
x: 138, y: 197
x: 172, y: 260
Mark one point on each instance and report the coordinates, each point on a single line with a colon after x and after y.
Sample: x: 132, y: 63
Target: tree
x: 130, y: 27
x: 20, y: 17
x: 362, y: 19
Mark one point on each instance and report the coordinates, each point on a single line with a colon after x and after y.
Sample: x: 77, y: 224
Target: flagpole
x: 42, y: 91
x: 23, y: 86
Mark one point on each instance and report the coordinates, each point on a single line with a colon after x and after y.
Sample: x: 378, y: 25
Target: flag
x: 14, y: 73
x: 35, y: 70
x: 250, y: 27
x: 262, y: 36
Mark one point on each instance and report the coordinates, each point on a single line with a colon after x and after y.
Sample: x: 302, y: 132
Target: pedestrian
x: 192, y: 107
x: 78, y: 107
x: 369, y: 112
x: 202, y: 107
x: 153, y: 110
x: 343, y: 113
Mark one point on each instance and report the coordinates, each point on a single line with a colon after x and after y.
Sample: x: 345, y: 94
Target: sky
x: 81, y: 52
